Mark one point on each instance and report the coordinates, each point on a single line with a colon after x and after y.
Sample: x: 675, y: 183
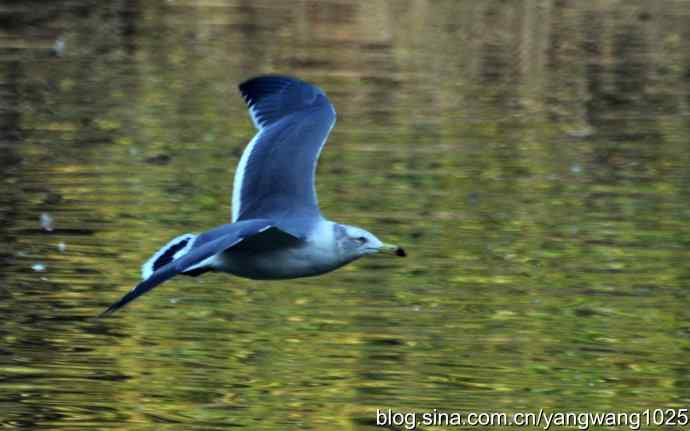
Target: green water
x: 532, y: 157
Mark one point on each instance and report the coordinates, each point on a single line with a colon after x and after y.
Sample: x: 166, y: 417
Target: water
x: 532, y: 157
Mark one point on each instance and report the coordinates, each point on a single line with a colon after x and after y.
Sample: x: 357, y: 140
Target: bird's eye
x: 361, y: 240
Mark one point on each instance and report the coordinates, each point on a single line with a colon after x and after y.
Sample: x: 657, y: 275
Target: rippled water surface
x: 533, y: 157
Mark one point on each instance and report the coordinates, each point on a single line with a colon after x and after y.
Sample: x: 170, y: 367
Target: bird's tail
x: 173, y: 250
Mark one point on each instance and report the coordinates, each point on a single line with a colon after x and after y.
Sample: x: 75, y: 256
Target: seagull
x: 277, y: 230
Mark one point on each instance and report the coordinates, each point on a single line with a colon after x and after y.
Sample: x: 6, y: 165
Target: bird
x: 276, y: 229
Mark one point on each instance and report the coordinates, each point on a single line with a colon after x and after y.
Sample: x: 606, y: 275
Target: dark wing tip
x: 110, y: 310
x: 129, y: 297
x: 259, y: 87
x: 272, y: 97
x: 158, y: 277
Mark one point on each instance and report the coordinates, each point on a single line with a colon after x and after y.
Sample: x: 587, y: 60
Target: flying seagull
x: 277, y: 230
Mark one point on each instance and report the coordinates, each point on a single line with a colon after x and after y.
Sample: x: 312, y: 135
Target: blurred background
x: 532, y: 156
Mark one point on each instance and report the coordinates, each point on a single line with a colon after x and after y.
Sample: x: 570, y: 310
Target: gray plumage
x: 277, y: 230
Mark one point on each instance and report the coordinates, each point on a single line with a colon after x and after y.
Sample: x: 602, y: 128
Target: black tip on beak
x: 400, y: 252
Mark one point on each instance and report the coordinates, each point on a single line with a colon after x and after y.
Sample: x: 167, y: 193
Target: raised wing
x: 275, y: 176
x: 205, y: 246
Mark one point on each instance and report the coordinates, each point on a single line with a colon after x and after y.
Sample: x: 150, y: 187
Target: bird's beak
x: 392, y: 249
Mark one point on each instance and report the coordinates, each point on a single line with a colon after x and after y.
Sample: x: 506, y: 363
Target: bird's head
x: 355, y: 242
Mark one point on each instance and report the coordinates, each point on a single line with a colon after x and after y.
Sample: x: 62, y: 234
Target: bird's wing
x: 206, y: 246
x: 275, y: 176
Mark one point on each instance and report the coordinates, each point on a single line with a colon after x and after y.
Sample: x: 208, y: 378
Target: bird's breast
x: 283, y: 263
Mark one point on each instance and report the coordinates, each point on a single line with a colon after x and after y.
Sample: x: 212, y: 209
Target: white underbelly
x: 277, y: 264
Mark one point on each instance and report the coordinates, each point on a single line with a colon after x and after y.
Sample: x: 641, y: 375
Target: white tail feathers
x: 175, y: 249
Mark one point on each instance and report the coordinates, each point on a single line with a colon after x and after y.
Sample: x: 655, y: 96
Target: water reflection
x: 532, y: 157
